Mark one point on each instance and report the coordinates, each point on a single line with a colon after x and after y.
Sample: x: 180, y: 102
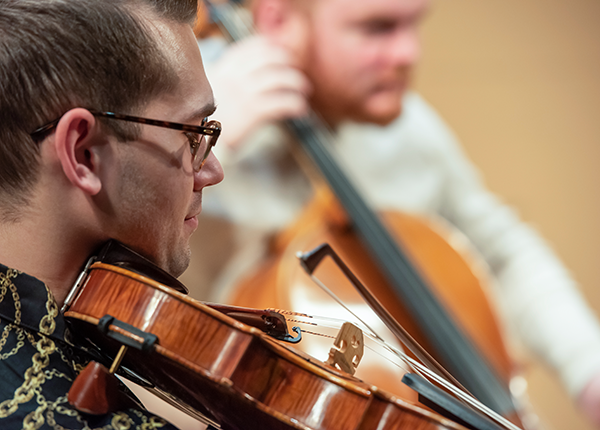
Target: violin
x: 212, y: 365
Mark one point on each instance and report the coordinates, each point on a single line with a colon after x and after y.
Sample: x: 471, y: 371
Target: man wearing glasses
x: 104, y: 134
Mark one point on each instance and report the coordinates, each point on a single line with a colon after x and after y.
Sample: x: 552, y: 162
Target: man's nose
x: 405, y: 50
x: 210, y: 174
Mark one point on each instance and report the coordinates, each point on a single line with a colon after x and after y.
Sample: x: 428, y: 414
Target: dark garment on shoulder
x: 38, y: 366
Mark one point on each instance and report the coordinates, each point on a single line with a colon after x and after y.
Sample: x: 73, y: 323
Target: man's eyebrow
x: 203, y: 112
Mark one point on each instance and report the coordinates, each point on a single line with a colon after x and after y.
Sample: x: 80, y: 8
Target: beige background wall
x: 519, y: 82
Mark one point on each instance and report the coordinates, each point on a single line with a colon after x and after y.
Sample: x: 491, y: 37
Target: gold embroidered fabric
x: 37, y: 365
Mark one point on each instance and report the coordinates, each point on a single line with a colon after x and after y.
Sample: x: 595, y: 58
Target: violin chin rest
x: 95, y: 390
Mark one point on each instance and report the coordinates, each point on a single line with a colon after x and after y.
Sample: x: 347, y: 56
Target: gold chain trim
x: 20, y: 340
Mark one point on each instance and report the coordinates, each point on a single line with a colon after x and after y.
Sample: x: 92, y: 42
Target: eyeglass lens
x: 205, y: 145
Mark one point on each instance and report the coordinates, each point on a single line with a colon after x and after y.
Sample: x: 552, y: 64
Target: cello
x: 478, y: 358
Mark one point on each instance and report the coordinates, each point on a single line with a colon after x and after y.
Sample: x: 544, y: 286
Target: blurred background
x: 519, y: 83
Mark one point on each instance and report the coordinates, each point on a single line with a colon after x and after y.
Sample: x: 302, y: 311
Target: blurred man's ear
x: 272, y: 17
x: 285, y: 23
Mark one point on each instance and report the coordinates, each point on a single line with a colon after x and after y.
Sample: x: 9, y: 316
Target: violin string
x: 410, y: 364
x: 318, y: 334
x: 343, y: 305
x: 420, y: 368
x: 425, y: 372
x: 336, y: 324
x: 304, y: 315
x: 403, y: 366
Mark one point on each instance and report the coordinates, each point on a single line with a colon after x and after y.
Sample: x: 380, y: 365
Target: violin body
x: 228, y: 371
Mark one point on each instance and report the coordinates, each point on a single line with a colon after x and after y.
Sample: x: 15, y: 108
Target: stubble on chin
x: 179, y: 262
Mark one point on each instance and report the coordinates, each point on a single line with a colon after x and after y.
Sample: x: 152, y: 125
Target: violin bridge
x: 348, y: 349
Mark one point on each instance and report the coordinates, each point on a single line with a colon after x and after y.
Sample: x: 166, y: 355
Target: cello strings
x: 420, y: 368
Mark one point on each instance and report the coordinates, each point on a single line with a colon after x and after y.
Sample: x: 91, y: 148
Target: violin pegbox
x: 348, y: 349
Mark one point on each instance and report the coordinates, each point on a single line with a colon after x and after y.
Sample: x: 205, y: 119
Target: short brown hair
x: 59, y: 54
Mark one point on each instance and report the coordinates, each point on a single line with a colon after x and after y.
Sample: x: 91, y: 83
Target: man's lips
x: 193, y: 214
x: 192, y: 222
x: 396, y: 85
x: 192, y: 218
x: 195, y: 209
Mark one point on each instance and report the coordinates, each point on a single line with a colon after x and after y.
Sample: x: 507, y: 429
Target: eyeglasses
x: 202, y: 138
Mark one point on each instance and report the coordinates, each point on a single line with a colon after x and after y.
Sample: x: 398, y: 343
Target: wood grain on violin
x: 229, y: 371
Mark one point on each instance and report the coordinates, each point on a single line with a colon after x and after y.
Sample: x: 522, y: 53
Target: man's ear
x: 74, y: 142
x: 272, y: 17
